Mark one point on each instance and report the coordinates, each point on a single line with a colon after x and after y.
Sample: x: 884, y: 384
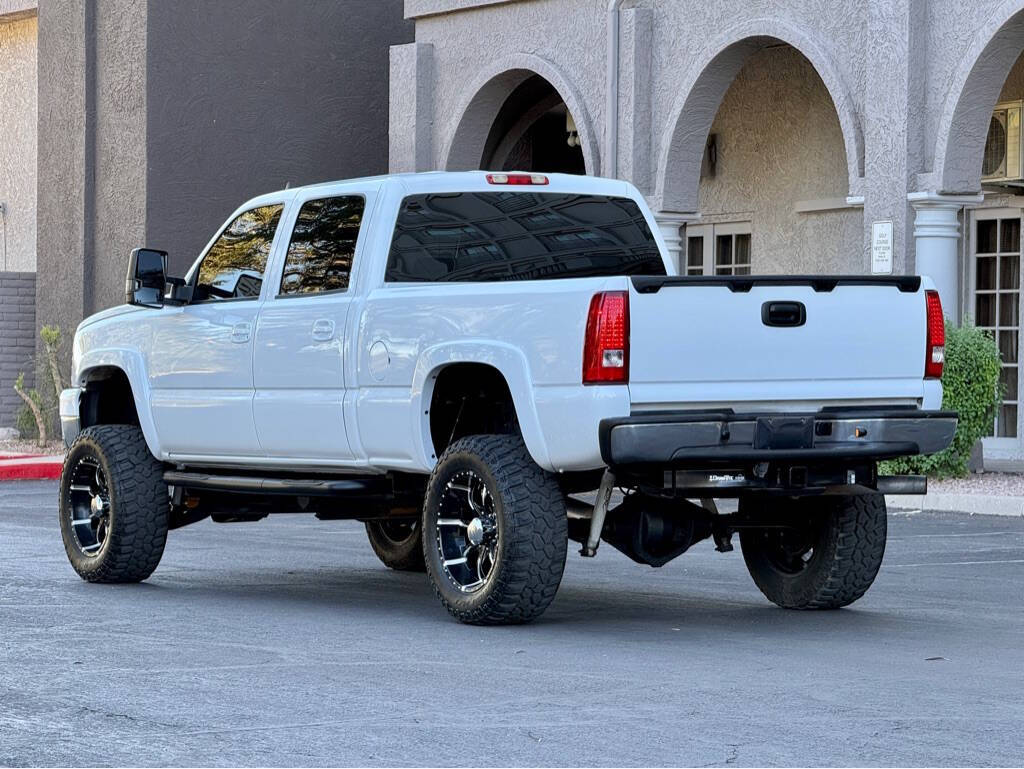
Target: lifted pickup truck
x: 460, y: 360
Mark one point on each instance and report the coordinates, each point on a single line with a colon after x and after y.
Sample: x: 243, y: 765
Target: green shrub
x: 971, y: 387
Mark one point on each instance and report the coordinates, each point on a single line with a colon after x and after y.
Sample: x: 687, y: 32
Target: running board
x: 242, y: 484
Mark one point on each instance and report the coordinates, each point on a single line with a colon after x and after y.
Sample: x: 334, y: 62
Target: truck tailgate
x: 737, y: 342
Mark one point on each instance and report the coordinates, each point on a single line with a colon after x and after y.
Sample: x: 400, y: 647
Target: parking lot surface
x: 286, y: 642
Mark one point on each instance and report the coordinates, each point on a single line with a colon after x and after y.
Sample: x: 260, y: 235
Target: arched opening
x: 762, y: 154
x: 534, y: 131
x: 523, y: 119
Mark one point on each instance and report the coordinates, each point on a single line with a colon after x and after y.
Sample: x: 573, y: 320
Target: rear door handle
x: 240, y: 333
x: 323, y: 330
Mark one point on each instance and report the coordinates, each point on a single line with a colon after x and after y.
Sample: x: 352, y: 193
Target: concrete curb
x: 973, y: 504
x: 31, y: 468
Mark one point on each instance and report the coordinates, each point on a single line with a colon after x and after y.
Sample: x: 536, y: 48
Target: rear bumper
x: 689, y: 438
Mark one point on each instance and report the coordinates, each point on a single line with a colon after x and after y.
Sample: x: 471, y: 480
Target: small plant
x: 32, y: 403
x: 971, y: 387
x: 41, y: 406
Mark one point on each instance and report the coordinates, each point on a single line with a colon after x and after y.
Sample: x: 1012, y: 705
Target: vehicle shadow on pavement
x: 378, y: 594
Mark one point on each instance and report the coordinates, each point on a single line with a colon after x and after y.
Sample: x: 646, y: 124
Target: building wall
x: 779, y: 144
x: 272, y: 95
x: 18, y: 145
x: 157, y: 119
x: 17, y: 338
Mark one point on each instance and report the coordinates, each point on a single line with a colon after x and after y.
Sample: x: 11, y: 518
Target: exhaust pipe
x: 902, y: 484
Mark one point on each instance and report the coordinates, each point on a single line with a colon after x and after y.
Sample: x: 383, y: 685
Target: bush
x: 971, y: 387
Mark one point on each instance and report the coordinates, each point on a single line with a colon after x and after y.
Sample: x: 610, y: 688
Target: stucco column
x: 937, y: 243
x: 670, y: 225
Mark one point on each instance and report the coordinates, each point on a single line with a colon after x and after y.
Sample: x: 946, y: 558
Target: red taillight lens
x: 538, y: 179
x: 935, y: 352
x: 606, y: 344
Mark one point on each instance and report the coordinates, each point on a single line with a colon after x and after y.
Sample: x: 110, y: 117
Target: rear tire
x: 495, y: 531
x: 114, y: 506
x: 398, y: 544
x: 828, y: 560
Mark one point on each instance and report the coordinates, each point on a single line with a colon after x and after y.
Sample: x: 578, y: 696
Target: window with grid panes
x: 732, y: 254
x: 997, y: 306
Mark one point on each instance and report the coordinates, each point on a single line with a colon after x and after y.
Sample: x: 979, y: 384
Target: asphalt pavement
x: 285, y: 642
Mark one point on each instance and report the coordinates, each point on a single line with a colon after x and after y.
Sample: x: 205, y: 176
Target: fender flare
x: 509, y: 361
x: 130, y: 362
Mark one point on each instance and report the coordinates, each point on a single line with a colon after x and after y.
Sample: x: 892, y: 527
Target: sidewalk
x: 981, y: 494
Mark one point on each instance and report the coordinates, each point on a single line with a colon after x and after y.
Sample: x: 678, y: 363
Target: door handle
x: 240, y: 333
x: 323, y: 330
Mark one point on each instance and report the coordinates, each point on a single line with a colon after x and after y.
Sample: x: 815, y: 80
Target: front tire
x: 495, y: 531
x: 114, y: 507
x: 398, y: 544
x: 828, y: 558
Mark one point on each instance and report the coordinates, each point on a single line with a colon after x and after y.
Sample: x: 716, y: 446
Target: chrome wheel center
x: 475, y: 531
x: 467, y: 532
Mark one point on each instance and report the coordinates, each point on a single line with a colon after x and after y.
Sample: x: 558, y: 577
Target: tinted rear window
x: 491, y: 236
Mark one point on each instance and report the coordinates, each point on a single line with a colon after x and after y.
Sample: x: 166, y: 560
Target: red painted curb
x: 31, y: 468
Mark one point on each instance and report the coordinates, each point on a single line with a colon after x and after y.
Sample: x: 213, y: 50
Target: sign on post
x: 881, y: 248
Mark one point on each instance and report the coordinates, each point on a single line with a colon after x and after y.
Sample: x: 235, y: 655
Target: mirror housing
x: 146, y: 281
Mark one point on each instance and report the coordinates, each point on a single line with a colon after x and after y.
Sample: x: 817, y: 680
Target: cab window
x: 233, y: 267
x: 323, y: 246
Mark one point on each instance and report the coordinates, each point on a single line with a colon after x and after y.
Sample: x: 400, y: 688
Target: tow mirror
x: 147, y: 277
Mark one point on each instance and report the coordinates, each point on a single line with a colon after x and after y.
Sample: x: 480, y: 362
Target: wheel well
x: 107, y: 399
x: 470, y: 399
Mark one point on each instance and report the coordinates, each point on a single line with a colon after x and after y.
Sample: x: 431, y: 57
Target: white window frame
x: 994, y: 446
x: 710, y: 234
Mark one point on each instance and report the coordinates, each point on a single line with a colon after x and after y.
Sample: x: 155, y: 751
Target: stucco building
x: 768, y: 135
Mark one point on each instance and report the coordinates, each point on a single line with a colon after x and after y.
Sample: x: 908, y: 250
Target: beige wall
x: 18, y: 143
x: 779, y: 144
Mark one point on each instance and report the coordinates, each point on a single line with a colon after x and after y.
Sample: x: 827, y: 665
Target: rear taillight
x: 935, y: 351
x: 606, y: 344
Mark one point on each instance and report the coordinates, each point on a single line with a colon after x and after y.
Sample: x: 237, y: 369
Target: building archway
x: 683, y: 144
x: 522, y: 113
x: 965, y: 119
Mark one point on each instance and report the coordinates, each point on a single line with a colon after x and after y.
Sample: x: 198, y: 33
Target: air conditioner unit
x: 1002, y: 161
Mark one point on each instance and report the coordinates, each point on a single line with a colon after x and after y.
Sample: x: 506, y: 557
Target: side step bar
x: 352, y: 487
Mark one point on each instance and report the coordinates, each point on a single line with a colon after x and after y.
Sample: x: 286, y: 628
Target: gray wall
x: 157, y: 119
x: 248, y: 96
x: 17, y: 338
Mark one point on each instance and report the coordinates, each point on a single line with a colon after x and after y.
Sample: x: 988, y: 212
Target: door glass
x: 323, y: 245
x: 233, y: 267
x: 997, y: 306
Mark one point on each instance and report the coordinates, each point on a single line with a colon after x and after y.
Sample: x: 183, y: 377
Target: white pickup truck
x: 460, y: 360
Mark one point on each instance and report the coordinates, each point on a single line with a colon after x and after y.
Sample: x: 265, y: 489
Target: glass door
x: 995, y: 289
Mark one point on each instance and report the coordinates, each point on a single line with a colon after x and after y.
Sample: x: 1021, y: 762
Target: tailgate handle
x: 783, y: 314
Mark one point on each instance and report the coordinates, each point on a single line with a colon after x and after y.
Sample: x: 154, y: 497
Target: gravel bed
x: 989, y: 484
x: 31, y: 447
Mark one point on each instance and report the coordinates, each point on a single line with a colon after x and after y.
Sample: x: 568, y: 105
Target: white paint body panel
x: 356, y: 399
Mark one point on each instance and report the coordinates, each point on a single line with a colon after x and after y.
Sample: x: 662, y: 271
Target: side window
x: 323, y: 245
x: 235, y: 263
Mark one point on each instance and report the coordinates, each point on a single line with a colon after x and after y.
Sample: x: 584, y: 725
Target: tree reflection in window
x: 235, y: 263
x: 323, y: 245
